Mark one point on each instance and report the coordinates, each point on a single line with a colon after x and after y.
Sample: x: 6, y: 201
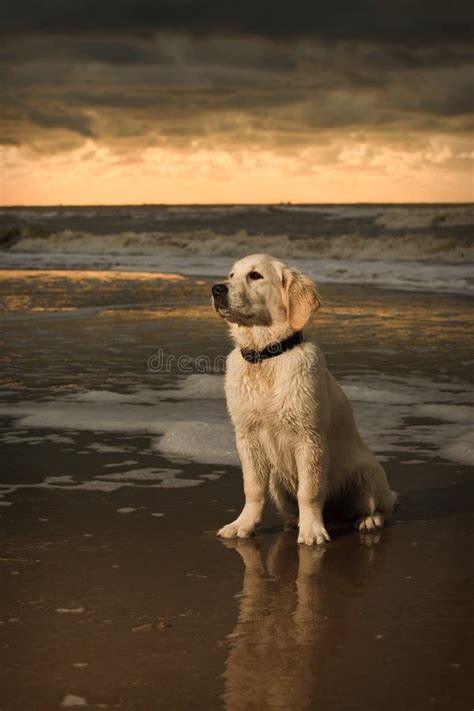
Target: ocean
x: 424, y: 248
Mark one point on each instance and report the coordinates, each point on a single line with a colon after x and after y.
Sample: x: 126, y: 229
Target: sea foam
x: 409, y: 418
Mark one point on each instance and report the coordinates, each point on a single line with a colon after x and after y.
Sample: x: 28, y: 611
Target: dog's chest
x: 260, y: 396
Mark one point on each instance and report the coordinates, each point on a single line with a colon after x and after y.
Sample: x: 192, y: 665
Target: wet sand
x: 126, y: 609
x: 164, y: 615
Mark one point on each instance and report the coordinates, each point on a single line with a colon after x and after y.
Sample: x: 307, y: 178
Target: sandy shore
x: 124, y: 598
x: 139, y: 611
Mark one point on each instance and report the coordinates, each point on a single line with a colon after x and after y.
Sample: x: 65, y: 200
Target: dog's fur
x: 295, y: 429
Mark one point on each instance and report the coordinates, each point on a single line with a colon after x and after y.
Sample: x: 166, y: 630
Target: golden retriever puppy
x: 295, y: 429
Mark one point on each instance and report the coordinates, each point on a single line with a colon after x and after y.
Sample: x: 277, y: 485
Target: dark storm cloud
x: 75, y: 122
x: 167, y: 73
x: 403, y: 21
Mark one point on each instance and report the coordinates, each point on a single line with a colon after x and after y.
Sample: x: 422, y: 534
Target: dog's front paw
x: 237, y: 529
x: 370, y: 523
x: 313, y: 534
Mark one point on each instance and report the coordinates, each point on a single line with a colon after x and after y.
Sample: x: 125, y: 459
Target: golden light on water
x: 182, y: 312
x: 84, y: 275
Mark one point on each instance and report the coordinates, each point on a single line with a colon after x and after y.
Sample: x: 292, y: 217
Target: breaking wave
x: 393, y: 248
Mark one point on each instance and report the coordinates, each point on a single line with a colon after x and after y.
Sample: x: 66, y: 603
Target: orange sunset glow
x: 220, y: 107
x: 359, y: 173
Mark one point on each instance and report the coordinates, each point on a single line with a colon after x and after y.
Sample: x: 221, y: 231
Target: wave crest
x: 408, y: 247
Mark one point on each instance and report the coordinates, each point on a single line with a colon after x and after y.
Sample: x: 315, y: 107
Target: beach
x: 119, y: 466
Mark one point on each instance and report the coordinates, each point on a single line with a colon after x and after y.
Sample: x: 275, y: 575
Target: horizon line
x: 288, y: 203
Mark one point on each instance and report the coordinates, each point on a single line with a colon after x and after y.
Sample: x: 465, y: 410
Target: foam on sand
x: 73, y: 701
x: 165, y: 482
x: 125, y: 463
x: 146, y: 474
x: 461, y: 450
x: 70, y: 610
x: 206, y: 442
x: 197, y: 387
x: 189, y: 421
x: 408, y: 416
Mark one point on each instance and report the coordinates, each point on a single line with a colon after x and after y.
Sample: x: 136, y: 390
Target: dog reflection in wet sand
x: 294, y: 618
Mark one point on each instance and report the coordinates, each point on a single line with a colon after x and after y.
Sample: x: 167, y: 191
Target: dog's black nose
x: 219, y: 289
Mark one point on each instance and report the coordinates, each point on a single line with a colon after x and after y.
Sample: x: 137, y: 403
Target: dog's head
x: 262, y: 291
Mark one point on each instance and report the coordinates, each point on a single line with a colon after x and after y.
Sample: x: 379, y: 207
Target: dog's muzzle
x: 220, y: 294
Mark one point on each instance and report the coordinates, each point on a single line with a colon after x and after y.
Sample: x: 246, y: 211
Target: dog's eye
x: 255, y: 275
x: 231, y: 275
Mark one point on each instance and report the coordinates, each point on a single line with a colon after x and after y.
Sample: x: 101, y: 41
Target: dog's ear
x: 300, y: 297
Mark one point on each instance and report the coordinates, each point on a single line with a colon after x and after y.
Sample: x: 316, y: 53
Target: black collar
x: 273, y: 349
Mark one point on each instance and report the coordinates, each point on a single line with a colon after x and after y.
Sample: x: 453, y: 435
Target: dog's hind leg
x: 374, y: 500
x: 285, y: 503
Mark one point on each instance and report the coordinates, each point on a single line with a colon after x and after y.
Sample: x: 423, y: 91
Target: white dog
x: 295, y: 429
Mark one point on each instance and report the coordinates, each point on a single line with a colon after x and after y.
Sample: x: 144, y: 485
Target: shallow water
x: 119, y: 467
x: 136, y: 353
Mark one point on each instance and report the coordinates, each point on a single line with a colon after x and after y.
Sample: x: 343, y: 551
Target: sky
x: 235, y: 101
